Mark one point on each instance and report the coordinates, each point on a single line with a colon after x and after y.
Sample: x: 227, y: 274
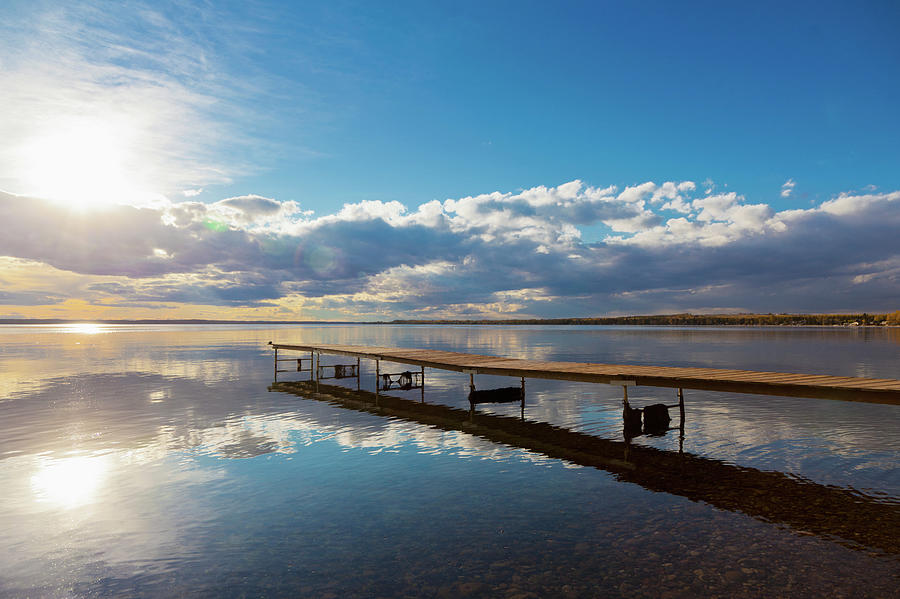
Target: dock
x: 848, y: 516
x: 817, y: 386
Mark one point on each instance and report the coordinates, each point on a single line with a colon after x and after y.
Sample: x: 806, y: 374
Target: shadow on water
x: 850, y: 518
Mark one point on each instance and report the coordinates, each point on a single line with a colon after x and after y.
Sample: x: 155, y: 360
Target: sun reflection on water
x: 86, y: 328
x: 70, y: 482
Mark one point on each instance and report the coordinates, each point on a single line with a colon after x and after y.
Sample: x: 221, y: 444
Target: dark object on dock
x: 656, y: 418
x: 501, y: 395
x: 404, y: 381
x: 632, y: 420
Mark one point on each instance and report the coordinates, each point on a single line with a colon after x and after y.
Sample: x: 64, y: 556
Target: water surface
x: 154, y: 461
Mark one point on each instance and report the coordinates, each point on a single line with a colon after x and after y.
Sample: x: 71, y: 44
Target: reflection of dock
x: 885, y: 391
x: 851, y: 518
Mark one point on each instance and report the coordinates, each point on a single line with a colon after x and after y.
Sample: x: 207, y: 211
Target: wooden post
x: 523, y: 398
x: 357, y: 374
x: 471, y: 389
x: 625, y: 396
x: 423, y: 384
x: 377, y: 379
x: 311, y: 355
x: 276, y: 364
x: 318, y: 358
x: 681, y: 408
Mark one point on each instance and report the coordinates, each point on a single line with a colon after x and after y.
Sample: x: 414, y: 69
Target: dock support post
x: 523, y: 398
x: 276, y: 364
x: 423, y: 384
x: 318, y: 359
x: 625, y: 396
x: 357, y: 374
x: 471, y: 389
x: 681, y: 420
x: 377, y: 379
x: 311, y: 360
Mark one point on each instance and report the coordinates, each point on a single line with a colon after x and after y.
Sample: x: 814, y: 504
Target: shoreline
x: 784, y: 321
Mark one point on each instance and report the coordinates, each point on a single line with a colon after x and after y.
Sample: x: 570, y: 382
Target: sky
x: 371, y: 161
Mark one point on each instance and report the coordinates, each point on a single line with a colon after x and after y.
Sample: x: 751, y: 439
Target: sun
x: 84, y: 163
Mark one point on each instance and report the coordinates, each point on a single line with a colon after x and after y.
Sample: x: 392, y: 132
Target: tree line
x: 687, y: 319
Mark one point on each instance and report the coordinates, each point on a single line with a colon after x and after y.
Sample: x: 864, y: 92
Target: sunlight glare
x: 86, y: 328
x: 70, y: 482
x: 84, y: 163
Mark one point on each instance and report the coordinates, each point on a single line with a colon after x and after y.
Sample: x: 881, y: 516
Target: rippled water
x: 155, y: 461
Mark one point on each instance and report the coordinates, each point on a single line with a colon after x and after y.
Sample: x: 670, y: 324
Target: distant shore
x: 863, y: 319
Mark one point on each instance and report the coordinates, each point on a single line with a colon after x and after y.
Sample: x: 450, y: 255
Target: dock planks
x: 882, y: 391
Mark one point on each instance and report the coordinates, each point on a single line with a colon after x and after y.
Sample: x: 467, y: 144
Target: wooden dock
x: 882, y: 391
x: 848, y: 516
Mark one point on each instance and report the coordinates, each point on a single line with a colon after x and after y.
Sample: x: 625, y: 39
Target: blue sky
x: 421, y: 101
x: 343, y: 113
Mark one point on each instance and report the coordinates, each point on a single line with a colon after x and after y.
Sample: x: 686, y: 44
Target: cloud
x: 787, y: 188
x: 28, y: 298
x: 251, y: 205
x: 494, y: 254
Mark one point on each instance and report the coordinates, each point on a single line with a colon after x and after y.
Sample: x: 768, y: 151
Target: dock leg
x: 681, y: 421
x: 357, y: 375
x: 471, y: 403
x: 311, y: 360
x: 423, y: 384
x: 523, y: 398
x: 377, y: 379
x: 276, y: 364
x: 318, y: 358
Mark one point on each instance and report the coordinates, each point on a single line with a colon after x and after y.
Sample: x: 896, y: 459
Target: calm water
x: 154, y: 461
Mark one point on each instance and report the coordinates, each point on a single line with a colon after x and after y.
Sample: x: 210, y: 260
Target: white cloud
x: 637, y: 193
x: 390, y: 212
x: 787, y: 188
x: 509, y: 252
x: 672, y: 191
x: 717, y: 207
x: 846, y: 204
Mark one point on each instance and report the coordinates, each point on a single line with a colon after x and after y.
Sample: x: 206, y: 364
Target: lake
x: 155, y: 461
